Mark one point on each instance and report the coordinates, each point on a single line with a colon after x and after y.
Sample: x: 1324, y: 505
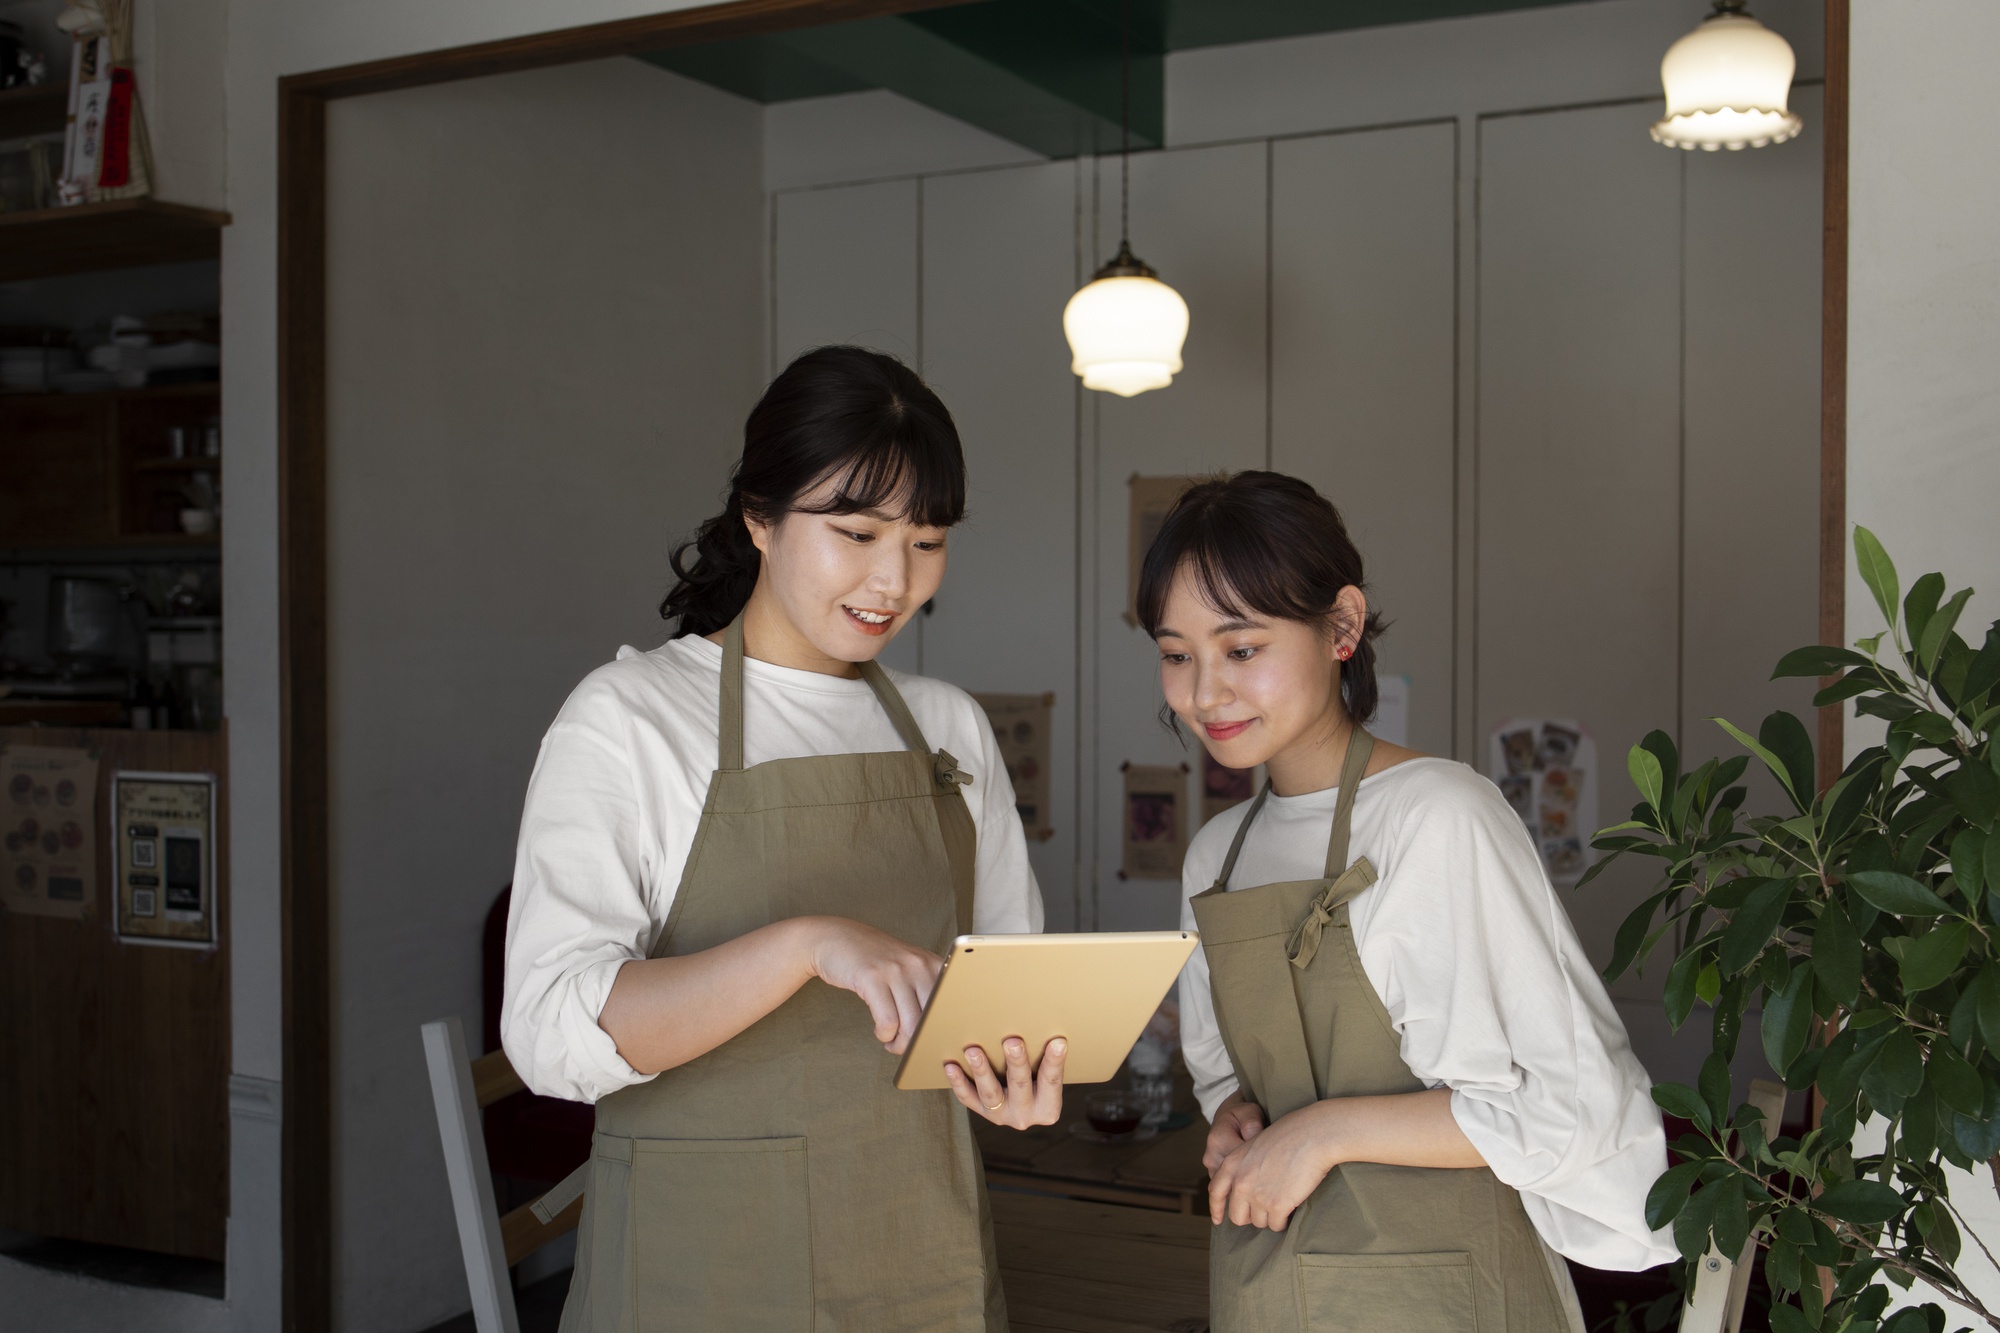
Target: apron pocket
x: 721, y: 1235
x: 1387, y: 1293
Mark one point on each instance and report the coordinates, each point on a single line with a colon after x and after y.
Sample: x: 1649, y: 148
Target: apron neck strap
x: 1360, y: 745
x: 892, y: 703
x: 731, y: 717
x: 1242, y: 831
x: 731, y: 727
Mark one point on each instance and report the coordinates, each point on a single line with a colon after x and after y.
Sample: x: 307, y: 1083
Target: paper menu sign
x: 48, y: 830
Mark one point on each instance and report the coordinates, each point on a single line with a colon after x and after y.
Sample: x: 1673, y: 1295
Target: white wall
x: 1923, y: 351
x: 533, y: 395
x: 1562, y: 382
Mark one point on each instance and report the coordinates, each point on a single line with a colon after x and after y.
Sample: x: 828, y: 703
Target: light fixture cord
x: 1125, y: 125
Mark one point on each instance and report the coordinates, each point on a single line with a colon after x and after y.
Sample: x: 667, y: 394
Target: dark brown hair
x: 1268, y: 543
x: 862, y: 418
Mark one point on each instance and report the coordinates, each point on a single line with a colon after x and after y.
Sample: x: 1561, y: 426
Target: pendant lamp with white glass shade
x: 1126, y: 327
x: 1727, y: 83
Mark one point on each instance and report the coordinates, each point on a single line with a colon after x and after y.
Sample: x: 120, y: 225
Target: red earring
x: 1345, y: 652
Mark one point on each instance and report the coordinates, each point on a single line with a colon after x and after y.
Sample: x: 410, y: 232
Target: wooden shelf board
x: 28, y: 112
x: 178, y: 465
x: 119, y: 233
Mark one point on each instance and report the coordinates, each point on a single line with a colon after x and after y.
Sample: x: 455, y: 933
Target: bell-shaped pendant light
x: 1126, y: 327
x: 1727, y: 82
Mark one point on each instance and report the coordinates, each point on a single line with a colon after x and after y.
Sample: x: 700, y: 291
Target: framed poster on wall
x: 163, y: 854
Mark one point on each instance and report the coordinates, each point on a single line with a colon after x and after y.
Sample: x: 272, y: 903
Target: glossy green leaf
x: 1679, y: 994
x: 1901, y: 1063
x: 1933, y: 957
x: 1984, y: 673
x: 1937, y: 632
x: 1753, y: 925
x: 1631, y: 937
x: 1670, y: 1193
x: 1818, y: 660
x: 1993, y: 870
x: 1978, y: 1139
x: 1836, y: 955
x: 1788, y: 1020
x: 1788, y: 1318
x: 1771, y: 761
x: 1919, y: 605
x: 1708, y: 983
x: 1897, y: 893
x: 1692, y: 1222
x: 1989, y: 1005
x: 1646, y: 776
x: 1862, y: 1202
x: 1956, y: 1082
x: 1731, y: 1219
x: 1786, y: 737
x: 1975, y: 791
x: 1968, y: 863
x: 1849, y: 686
x: 1681, y: 1100
x: 1713, y: 1084
x: 1877, y: 571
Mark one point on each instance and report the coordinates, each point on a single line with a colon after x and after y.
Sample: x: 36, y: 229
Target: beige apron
x: 781, y: 1182
x: 1375, y: 1249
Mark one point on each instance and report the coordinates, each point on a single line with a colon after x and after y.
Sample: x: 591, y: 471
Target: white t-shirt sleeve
x: 579, y: 908
x: 1493, y: 996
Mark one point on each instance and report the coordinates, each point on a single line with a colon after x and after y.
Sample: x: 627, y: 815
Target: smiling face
x: 834, y: 589
x: 1256, y: 689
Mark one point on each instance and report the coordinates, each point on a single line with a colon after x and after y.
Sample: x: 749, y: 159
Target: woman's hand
x: 1029, y: 1096
x: 1237, y: 1121
x: 1263, y: 1180
x: 892, y: 978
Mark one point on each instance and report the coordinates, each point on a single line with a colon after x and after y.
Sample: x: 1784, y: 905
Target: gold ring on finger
x: 997, y: 1105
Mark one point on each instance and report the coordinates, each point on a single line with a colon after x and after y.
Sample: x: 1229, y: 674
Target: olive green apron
x: 781, y: 1181
x: 1375, y: 1249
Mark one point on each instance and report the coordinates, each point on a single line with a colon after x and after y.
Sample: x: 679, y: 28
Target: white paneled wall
x: 1562, y: 383
x: 1363, y: 325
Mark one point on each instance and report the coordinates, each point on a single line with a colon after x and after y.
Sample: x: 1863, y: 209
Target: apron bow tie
x: 1304, y: 944
x: 949, y: 774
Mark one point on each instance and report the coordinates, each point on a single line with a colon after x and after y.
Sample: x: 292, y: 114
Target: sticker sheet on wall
x: 1547, y: 770
x: 1020, y: 724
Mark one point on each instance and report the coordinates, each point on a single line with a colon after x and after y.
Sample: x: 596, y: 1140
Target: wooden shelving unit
x: 92, y: 470
x: 26, y: 113
x: 119, y: 233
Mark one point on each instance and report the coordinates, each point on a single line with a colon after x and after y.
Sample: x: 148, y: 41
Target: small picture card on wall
x: 1223, y: 788
x: 1156, y: 826
x: 163, y: 848
x: 1152, y: 498
x: 1020, y: 724
x: 48, y: 814
x: 1546, y: 768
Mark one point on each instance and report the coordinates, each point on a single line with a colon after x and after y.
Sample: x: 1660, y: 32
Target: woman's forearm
x: 664, y: 1012
x: 1403, y: 1129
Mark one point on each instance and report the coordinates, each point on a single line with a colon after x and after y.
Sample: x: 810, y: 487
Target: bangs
x: 905, y: 476
x: 1243, y: 557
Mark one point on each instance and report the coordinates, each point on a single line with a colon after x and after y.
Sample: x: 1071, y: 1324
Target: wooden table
x: 1100, y: 1237
x: 1071, y: 1266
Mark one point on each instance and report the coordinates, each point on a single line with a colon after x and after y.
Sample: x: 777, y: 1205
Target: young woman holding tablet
x: 717, y: 826
x: 1418, y: 1088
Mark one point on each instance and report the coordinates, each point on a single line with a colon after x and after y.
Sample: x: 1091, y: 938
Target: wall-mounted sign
x: 1222, y: 788
x: 163, y: 851
x: 1547, y: 770
x: 48, y: 830
x: 1021, y: 725
x: 1156, y: 825
x: 1152, y: 499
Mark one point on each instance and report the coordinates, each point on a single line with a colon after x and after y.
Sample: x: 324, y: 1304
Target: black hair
x: 1274, y: 545
x: 861, y: 419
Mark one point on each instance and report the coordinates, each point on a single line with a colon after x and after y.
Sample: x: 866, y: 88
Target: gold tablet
x: 1098, y: 990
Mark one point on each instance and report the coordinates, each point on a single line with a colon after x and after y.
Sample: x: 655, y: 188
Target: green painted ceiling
x: 1042, y: 73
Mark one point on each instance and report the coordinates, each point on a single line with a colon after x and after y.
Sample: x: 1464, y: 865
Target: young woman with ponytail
x: 729, y: 839
x: 1419, y: 1092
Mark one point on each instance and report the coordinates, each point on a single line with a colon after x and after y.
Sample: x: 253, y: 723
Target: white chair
x: 492, y: 1244
x: 1722, y: 1284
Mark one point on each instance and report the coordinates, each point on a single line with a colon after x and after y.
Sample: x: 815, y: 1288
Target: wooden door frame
x: 306, y: 887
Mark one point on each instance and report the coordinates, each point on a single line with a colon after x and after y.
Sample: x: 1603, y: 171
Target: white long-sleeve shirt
x: 611, y: 813
x: 1488, y: 989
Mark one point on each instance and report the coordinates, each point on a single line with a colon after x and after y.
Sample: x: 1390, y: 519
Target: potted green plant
x: 1866, y: 921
